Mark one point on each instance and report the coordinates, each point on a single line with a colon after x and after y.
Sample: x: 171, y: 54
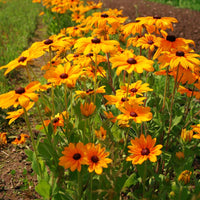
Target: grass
x: 191, y: 4
x: 17, y: 26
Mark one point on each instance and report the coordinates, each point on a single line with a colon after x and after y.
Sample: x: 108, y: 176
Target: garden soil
x: 188, y: 25
x: 17, y: 180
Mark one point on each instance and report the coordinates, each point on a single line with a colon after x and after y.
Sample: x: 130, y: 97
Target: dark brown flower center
x: 131, y: 61
x: 96, y: 40
x: 89, y: 90
x: 75, y: 28
x: 64, y: 76
x: 48, y: 41
x: 104, y: 15
x: 76, y: 156
x: 137, y: 21
x: 94, y: 159
x: 20, y: 90
x: 123, y: 99
x: 89, y: 55
x: 180, y: 53
x: 150, y: 42
x: 171, y: 38
x: 19, y: 137
x: 145, y: 151
x: 22, y: 59
x: 134, y: 90
x: 55, y: 120
x: 156, y: 17
x: 76, y: 55
x: 133, y: 114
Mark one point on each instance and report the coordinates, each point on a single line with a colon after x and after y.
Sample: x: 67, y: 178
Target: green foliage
x: 191, y: 4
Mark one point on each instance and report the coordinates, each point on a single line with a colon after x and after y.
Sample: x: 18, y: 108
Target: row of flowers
x: 98, y: 83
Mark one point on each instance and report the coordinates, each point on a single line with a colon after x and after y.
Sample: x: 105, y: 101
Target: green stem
x: 172, y: 103
x: 165, y: 90
x: 91, y: 182
x: 144, y: 177
x: 95, y: 78
x: 129, y: 79
x: 32, y: 140
x: 79, y: 193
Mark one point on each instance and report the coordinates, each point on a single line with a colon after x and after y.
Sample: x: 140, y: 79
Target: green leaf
x: 43, y: 189
x: 176, y: 120
x: 132, y: 180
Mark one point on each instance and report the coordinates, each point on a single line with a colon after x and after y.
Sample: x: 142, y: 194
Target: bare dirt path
x: 188, y: 26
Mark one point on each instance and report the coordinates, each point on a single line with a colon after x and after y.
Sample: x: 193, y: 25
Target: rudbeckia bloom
x: 73, y: 157
x: 183, y: 58
x: 142, y: 149
x: 21, y: 139
x: 136, y: 88
x: 134, y: 112
x: 169, y: 42
x: 23, y: 60
x: 196, y: 128
x: 162, y: 23
x: 132, y: 28
x: 186, y: 135
x: 130, y: 62
x: 3, y: 139
x: 87, y: 109
x: 21, y: 96
x: 148, y: 41
x: 57, y: 121
x: 109, y: 115
x: 66, y: 74
x: 88, y: 92
x: 180, y: 155
x: 97, y: 158
x: 101, y: 133
x: 119, y: 99
x: 13, y: 115
x: 95, y: 45
x: 185, y: 176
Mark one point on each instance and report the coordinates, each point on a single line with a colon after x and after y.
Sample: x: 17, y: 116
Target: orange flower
x: 58, y: 120
x: 132, y: 28
x: 16, y: 114
x: 21, y: 139
x: 87, y: 109
x: 148, y: 41
x: 109, y: 115
x: 84, y: 94
x: 136, y: 88
x: 182, y: 58
x: 180, y: 155
x: 119, y: 99
x: 129, y: 62
x: 196, y: 128
x: 97, y: 158
x: 66, y: 74
x: 20, y: 96
x: 134, y: 112
x: 23, y: 60
x: 158, y: 22
x: 101, y: 134
x: 3, y: 138
x: 186, y: 135
x: 142, y: 149
x: 170, y: 42
x: 185, y: 176
x: 74, y: 157
x: 95, y: 45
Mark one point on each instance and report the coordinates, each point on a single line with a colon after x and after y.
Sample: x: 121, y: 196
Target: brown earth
x: 17, y: 180
x: 188, y: 26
